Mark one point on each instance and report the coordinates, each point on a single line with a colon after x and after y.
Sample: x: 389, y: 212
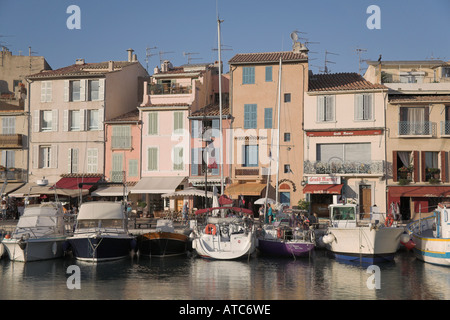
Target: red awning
x: 419, y: 191
x: 323, y: 188
x: 72, y: 183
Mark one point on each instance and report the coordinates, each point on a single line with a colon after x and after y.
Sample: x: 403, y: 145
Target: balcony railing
x: 420, y: 128
x: 11, y: 141
x: 445, y: 128
x: 12, y: 174
x: 246, y: 171
x: 117, y: 176
x: 344, y: 167
x: 168, y: 89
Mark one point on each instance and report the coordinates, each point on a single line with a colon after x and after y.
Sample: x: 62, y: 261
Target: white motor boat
x: 39, y: 234
x: 225, y: 238
x: 431, y: 236
x: 352, y: 239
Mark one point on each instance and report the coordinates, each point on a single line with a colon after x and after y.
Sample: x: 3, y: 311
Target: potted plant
x: 405, y: 172
x: 403, y: 182
x: 434, y: 181
x: 434, y: 172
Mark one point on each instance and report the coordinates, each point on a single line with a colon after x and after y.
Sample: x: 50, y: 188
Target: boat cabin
x: 101, y: 215
x: 441, y: 226
x: 343, y: 215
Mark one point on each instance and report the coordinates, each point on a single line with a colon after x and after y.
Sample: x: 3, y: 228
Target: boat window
x: 344, y: 213
x: 112, y: 223
x: 90, y: 223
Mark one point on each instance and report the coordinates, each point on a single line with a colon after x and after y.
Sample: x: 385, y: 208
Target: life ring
x: 389, y: 220
x: 279, y: 233
x: 211, y: 229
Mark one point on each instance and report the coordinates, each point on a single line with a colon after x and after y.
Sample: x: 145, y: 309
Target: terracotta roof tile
x: 267, y: 57
x: 129, y: 116
x: 419, y: 98
x: 211, y: 110
x: 81, y: 69
x: 340, y: 82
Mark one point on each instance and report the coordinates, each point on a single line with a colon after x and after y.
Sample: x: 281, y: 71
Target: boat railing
x: 418, y: 226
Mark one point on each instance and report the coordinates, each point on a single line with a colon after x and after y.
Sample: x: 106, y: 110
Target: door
x: 365, y: 200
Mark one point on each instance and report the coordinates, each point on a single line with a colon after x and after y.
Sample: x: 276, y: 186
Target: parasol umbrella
x: 263, y: 201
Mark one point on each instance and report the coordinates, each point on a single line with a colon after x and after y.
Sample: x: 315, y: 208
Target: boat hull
x: 364, y: 244
x: 34, y: 249
x: 101, y: 248
x: 213, y: 247
x: 162, y: 244
x: 281, y: 248
x: 432, y: 250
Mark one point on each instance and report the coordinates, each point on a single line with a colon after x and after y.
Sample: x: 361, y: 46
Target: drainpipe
x: 28, y: 115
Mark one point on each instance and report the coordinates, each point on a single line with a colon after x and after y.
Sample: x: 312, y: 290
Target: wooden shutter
x: 43, y: 91
x: 35, y: 157
x: 36, y: 120
x: 422, y: 165
x: 358, y: 107
x: 66, y: 120
x: 416, y: 166
x: 54, y: 156
x: 394, y: 166
x: 101, y: 89
x: 83, y: 117
x: 152, y: 159
x: 66, y: 90
x: 153, y: 123
x: 444, y: 166
x: 55, y: 120
x: 320, y: 107
x: 83, y: 87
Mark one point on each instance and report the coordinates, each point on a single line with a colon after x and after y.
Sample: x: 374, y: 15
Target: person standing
x: 4, y: 208
x: 185, y: 212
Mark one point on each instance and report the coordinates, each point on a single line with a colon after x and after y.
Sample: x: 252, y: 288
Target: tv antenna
x: 189, y: 54
x: 325, y: 69
x: 359, y: 51
x: 148, y: 54
x: 161, y: 53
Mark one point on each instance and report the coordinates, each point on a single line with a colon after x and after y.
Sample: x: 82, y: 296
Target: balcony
x: 416, y: 129
x: 158, y: 89
x: 12, y: 174
x: 117, y: 176
x: 375, y: 167
x: 11, y: 141
x: 445, y: 128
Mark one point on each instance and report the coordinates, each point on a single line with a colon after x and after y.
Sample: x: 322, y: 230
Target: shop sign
x: 324, y: 180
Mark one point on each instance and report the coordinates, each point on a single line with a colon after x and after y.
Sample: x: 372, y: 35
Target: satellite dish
x: 294, y: 36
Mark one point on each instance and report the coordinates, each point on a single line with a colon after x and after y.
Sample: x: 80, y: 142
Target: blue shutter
x: 268, y: 118
x: 250, y: 116
x: 268, y: 73
x: 248, y: 75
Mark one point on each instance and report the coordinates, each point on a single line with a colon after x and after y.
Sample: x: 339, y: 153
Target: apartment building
x: 417, y: 124
x: 344, y: 147
x: 267, y: 141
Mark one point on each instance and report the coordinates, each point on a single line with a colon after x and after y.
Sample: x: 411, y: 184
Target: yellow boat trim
x: 430, y: 239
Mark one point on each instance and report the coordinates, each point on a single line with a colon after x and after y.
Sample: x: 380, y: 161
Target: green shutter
x: 152, y: 159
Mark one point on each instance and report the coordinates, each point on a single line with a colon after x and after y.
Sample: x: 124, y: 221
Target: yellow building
x: 262, y: 126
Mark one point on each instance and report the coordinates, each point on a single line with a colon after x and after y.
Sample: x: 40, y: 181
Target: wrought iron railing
x: 12, y: 174
x: 344, y: 167
x: 168, y: 89
x: 417, y: 128
x: 11, y: 141
x: 445, y: 128
x: 117, y: 176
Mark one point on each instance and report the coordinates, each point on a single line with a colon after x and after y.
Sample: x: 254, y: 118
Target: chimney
x: 130, y: 55
x: 110, y: 65
x: 79, y: 61
x: 156, y: 70
x: 135, y: 57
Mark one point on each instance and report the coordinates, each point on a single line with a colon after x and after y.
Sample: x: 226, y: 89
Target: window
x: 45, y: 156
x: 133, y: 168
x: 46, y: 91
x: 8, y: 125
x: 46, y: 120
x: 412, y: 77
x: 268, y: 118
x: 287, y: 168
x: 363, y: 107
x: 285, y: 198
x: 75, y: 90
x: 196, y: 161
x: 93, y: 120
x: 325, y: 108
x: 152, y: 123
x: 287, y: 137
x: 268, y: 73
x: 121, y: 137
x: 344, y: 152
x: 196, y: 128
x: 178, y: 118
x: 431, y: 165
x: 250, y: 155
x: 414, y: 121
x: 287, y: 97
x: 92, y: 160
x: 250, y: 116
x: 75, y: 120
x: 152, y: 154
x: 178, y: 159
x: 94, y: 90
x: 248, y: 75
x: 73, y: 160
x: 446, y: 72
x: 8, y: 158
x: 117, y: 173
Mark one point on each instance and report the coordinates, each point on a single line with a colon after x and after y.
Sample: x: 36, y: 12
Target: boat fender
x: 389, y: 220
x: 312, y: 236
x: 404, y: 238
x: 409, y: 245
x: 22, y: 244
x: 328, y: 238
x: 211, y: 229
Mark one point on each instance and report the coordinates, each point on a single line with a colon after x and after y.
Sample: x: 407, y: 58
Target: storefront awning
x: 245, y: 189
x: 11, y: 187
x: 24, y: 191
x: 157, y: 185
x: 72, y: 182
x: 419, y: 191
x: 323, y: 188
x: 109, y: 192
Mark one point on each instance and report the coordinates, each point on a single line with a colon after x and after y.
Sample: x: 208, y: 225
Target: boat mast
x: 220, y: 107
x: 278, y: 129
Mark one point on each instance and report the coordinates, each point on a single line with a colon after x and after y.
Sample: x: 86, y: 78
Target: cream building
x: 344, y: 147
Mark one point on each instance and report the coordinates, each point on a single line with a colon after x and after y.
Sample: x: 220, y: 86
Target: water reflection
x: 259, y: 278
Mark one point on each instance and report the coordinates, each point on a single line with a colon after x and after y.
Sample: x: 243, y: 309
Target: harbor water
x: 317, y: 277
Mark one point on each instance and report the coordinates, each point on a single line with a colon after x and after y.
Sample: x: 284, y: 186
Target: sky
x: 178, y: 29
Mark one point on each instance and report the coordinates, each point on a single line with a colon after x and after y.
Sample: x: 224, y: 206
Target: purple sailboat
x: 285, y: 241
